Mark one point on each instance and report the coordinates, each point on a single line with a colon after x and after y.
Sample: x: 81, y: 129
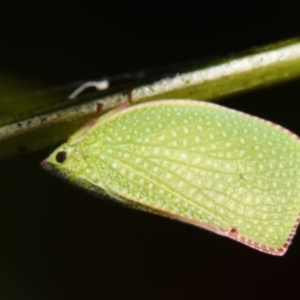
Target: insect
x: 200, y: 163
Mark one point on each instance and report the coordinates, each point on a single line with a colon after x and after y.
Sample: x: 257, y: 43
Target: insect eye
x: 61, y: 156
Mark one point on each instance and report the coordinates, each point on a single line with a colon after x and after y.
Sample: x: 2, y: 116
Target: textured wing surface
x: 214, y: 167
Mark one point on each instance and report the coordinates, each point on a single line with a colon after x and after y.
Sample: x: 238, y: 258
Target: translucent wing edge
x: 232, y: 234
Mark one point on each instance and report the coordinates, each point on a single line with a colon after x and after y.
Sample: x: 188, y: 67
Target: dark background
x: 57, y: 242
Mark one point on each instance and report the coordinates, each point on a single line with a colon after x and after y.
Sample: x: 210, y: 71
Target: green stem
x: 258, y: 68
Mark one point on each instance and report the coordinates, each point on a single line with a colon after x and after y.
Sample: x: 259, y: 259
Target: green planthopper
x: 200, y: 163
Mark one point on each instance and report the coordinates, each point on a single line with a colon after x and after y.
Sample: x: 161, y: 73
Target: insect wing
x: 201, y: 163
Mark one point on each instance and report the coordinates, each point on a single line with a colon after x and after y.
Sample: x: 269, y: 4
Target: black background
x: 57, y: 242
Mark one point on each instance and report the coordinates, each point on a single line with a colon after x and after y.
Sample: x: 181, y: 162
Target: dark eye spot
x: 61, y: 156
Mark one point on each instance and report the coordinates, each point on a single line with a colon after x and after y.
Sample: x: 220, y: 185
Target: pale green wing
x: 204, y: 164
x: 201, y: 163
